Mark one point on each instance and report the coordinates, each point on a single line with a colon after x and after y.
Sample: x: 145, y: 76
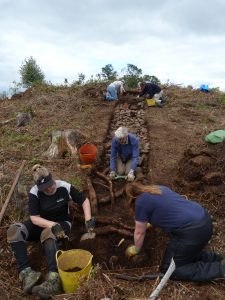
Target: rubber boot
x: 51, y: 286
x: 29, y: 278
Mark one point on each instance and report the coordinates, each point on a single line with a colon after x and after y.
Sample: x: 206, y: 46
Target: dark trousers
x: 51, y: 246
x: 186, y: 248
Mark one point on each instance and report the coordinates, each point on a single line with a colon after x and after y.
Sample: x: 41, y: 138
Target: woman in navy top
x: 189, y: 225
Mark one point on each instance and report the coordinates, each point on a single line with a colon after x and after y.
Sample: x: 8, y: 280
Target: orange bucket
x: 87, y: 153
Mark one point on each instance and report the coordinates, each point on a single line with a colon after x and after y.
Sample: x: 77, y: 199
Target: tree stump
x: 63, y: 143
x: 23, y: 118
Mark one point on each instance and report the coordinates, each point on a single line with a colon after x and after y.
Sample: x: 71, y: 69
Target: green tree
x: 108, y: 72
x: 132, y: 75
x: 151, y: 78
x: 133, y: 70
x: 30, y: 72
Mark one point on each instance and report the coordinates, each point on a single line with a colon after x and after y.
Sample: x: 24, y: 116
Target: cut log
x: 63, y: 143
x: 23, y: 118
x: 92, y: 196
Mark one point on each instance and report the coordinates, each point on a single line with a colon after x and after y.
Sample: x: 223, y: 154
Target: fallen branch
x: 112, y: 198
x: 101, y: 184
x: 7, y: 121
x: 109, y: 229
x: 108, y: 221
x: 101, y: 175
x: 137, y: 278
x: 106, y: 171
x: 107, y: 199
x: 92, y: 196
x: 11, y: 191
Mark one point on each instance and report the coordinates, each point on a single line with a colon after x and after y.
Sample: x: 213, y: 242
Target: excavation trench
x: 114, y: 224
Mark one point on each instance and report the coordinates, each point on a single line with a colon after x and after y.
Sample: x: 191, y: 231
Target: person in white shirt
x: 114, y: 89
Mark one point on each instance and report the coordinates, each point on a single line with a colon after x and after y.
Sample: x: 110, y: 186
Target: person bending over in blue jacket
x: 124, y: 154
x: 186, y: 221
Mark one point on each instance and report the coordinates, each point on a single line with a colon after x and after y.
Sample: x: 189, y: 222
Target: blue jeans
x: 111, y: 93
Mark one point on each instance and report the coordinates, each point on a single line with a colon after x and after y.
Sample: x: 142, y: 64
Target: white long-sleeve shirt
x: 118, y: 86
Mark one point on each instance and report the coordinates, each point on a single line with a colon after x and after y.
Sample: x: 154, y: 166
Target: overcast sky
x: 179, y: 40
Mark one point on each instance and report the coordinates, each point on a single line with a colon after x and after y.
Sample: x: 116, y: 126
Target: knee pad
x: 17, y: 233
x: 47, y: 234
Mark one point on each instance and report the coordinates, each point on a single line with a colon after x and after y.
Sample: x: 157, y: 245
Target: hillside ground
x: 177, y: 151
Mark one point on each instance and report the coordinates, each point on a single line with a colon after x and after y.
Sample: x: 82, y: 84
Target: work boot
x: 51, y: 286
x: 29, y: 278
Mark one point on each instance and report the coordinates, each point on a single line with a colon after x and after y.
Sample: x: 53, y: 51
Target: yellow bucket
x: 151, y: 102
x: 72, y: 266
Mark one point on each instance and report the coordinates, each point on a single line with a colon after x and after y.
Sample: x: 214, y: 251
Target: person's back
x: 114, y: 89
x: 150, y: 89
x: 117, y: 84
x: 168, y: 210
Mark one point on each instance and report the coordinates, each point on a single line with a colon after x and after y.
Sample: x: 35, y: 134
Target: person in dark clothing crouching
x: 49, y: 223
x: 151, y: 91
x: 189, y: 225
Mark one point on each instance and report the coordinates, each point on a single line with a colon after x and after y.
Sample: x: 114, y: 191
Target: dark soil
x: 173, y: 153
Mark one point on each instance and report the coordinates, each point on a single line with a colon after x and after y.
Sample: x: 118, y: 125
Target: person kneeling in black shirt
x: 49, y: 222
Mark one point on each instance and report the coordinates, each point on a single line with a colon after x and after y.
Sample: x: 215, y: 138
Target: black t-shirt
x: 151, y: 89
x: 54, y: 207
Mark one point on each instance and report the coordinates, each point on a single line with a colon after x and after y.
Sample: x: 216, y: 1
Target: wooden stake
x: 11, y: 191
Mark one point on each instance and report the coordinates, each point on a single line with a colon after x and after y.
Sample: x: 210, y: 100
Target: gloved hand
x: 90, y: 225
x: 149, y: 226
x: 131, y: 251
x: 58, y: 232
x: 112, y: 175
x: 130, y: 176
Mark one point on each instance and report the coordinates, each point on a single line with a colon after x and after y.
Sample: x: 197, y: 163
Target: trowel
x: 88, y: 236
x: 120, y: 177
